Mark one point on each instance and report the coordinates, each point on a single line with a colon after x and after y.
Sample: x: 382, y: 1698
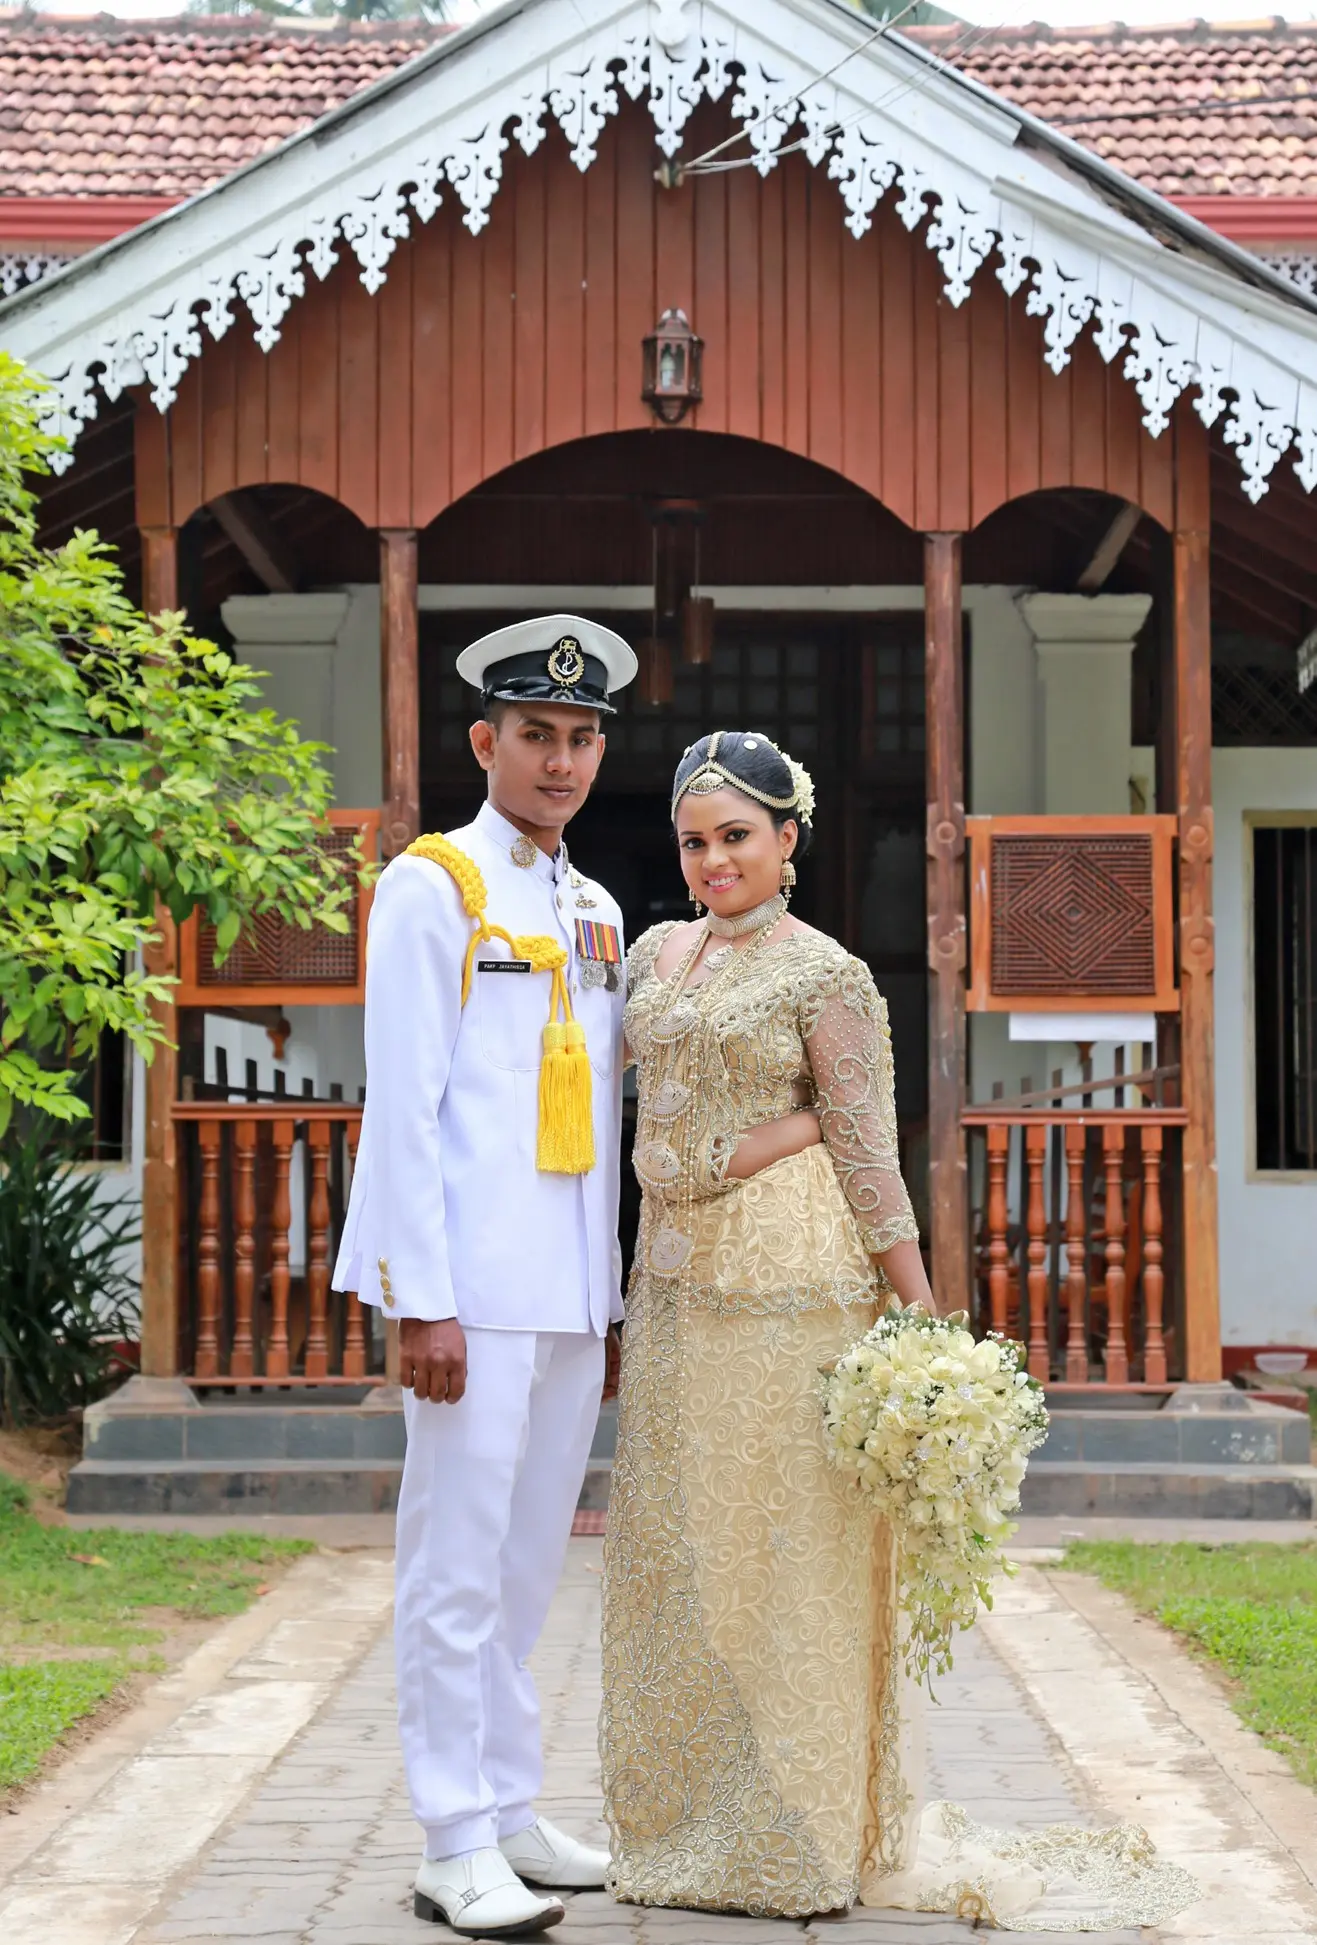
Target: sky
x: 1058, y: 13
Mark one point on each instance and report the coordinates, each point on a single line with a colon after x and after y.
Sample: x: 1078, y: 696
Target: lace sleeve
x: 642, y: 954
x: 849, y: 1043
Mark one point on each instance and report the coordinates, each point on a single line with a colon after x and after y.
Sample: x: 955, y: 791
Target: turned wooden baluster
x: 317, y: 1251
x: 281, y: 1215
x: 998, y: 1265
x: 209, y: 1134
x: 354, y: 1337
x: 241, y: 1362
x: 1154, y: 1282
x: 1036, y: 1226
x: 1076, y: 1350
x: 1117, y: 1352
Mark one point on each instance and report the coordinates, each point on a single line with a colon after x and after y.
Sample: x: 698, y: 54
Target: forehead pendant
x: 566, y: 663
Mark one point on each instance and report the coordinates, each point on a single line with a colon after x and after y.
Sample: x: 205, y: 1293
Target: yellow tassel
x: 566, y: 1131
x: 565, y: 1142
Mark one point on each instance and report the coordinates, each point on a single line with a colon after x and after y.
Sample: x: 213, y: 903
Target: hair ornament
x: 804, y: 786
x: 713, y: 775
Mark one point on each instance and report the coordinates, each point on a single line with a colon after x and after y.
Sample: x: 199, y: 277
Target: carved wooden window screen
x: 280, y: 964
x: 1072, y: 913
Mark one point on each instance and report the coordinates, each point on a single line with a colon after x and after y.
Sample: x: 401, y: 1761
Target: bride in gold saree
x: 756, y: 1734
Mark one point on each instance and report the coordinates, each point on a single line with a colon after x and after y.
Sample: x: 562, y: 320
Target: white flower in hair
x: 804, y: 787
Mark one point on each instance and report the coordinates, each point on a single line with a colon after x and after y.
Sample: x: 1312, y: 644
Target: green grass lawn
x: 111, y: 1594
x: 1250, y: 1610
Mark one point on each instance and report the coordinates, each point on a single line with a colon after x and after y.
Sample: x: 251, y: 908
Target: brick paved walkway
x: 324, y: 1850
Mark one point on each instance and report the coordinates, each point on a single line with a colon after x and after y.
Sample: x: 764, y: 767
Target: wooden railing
x: 1076, y: 1225
x: 256, y: 1178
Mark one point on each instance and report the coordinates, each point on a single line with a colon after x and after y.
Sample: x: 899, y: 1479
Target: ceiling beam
x: 258, y: 540
x: 1293, y: 583
x: 1109, y: 549
x: 1256, y: 605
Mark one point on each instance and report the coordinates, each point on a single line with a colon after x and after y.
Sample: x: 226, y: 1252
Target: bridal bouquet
x: 936, y: 1429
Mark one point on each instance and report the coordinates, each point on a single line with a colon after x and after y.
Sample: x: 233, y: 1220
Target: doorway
x: 843, y: 694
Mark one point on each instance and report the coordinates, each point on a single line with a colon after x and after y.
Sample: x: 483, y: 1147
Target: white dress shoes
x: 480, y: 1896
x: 544, y: 1855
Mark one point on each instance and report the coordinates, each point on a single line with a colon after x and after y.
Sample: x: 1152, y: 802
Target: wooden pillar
x: 945, y: 732
x: 400, y: 697
x: 160, y: 1157
x: 1193, y: 769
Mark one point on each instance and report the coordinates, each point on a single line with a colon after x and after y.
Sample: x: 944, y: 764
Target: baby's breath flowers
x: 936, y: 1429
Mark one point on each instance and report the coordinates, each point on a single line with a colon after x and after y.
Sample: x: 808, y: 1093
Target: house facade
x: 992, y: 505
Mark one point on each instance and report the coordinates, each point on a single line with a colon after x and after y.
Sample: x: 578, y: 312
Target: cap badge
x: 566, y: 663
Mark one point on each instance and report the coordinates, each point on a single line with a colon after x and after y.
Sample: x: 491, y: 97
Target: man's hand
x: 612, y: 1363
x: 432, y: 1359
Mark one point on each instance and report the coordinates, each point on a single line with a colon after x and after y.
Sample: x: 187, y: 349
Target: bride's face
x: 731, y: 851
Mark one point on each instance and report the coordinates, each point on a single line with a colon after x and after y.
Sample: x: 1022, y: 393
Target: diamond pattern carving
x: 277, y: 954
x: 1073, y: 915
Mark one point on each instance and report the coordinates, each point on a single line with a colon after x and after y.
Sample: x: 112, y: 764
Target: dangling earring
x: 788, y: 879
x: 696, y: 903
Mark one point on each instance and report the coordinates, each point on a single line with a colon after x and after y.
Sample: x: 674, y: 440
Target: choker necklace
x: 755, y: 920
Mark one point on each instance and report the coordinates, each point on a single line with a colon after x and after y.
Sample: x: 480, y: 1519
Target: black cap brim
x: 535, y: 689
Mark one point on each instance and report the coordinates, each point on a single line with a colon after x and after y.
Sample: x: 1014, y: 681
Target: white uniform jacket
x: 448, y: 1215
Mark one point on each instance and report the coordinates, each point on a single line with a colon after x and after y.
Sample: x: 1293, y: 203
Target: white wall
x: 1035, y: 659
x: 1268, y: 1223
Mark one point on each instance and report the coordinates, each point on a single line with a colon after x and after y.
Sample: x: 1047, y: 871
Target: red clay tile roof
x: 103, y: 107
x: 1159, y: 102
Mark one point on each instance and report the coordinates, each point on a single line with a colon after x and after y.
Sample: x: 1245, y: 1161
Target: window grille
x: 1253, y: 706
x: 1285, y: 994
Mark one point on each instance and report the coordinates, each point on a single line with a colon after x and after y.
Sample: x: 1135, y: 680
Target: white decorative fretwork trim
x: 882, y: 122
x: 18, y: 268
x: 1300, y: 266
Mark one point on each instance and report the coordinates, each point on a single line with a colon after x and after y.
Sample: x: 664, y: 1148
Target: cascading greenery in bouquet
x: 936, y: 1429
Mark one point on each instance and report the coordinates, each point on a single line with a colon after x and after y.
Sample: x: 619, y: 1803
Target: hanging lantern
x: 697, y: 630
x: 654, y: 681
x: 672, y: 359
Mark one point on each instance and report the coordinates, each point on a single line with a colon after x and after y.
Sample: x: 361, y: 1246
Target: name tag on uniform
x: 600, y: 952
x: 503, y: 965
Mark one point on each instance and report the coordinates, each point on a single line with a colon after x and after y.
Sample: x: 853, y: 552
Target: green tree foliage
x: 135, y: 765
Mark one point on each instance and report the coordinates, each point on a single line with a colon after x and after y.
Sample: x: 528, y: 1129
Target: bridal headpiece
x: 713, y: 775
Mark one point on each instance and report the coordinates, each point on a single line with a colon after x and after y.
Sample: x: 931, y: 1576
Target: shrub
x: 65, y: 1300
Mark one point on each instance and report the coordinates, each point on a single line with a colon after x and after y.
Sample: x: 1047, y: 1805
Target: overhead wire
x: 967, y: 37
x: 768, y: 114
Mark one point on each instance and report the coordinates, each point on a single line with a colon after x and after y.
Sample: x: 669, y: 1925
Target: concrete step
x: 1259, y: 1435
x: 154, y: 1449
x: 197, y: 1487
x: 1160, y: 1492
x: 246, y: 1433
x: 236, y: 1486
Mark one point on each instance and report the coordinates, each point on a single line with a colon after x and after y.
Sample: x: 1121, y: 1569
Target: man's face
x: 541, y: 760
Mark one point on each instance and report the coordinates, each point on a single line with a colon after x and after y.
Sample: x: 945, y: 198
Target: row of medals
x: 594, y: 972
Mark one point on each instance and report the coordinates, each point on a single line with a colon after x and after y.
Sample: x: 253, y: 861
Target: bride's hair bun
x: 751, y: 762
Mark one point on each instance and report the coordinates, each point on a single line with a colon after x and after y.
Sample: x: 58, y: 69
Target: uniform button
x: 383, y: 1263
x: 388, y: 1299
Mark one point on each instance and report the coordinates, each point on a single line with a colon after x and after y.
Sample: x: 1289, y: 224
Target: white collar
x: 505, y: 837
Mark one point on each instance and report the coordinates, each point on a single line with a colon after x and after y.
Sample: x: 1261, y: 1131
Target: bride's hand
x: 773, y: 1142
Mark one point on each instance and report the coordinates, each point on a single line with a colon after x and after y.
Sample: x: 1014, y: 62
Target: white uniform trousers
x: 489, y: 1487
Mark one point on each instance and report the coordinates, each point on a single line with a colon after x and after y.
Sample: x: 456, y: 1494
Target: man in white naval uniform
x: 504, y: 1278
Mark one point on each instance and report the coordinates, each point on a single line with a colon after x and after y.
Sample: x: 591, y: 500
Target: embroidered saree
x: 757, y: 1736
